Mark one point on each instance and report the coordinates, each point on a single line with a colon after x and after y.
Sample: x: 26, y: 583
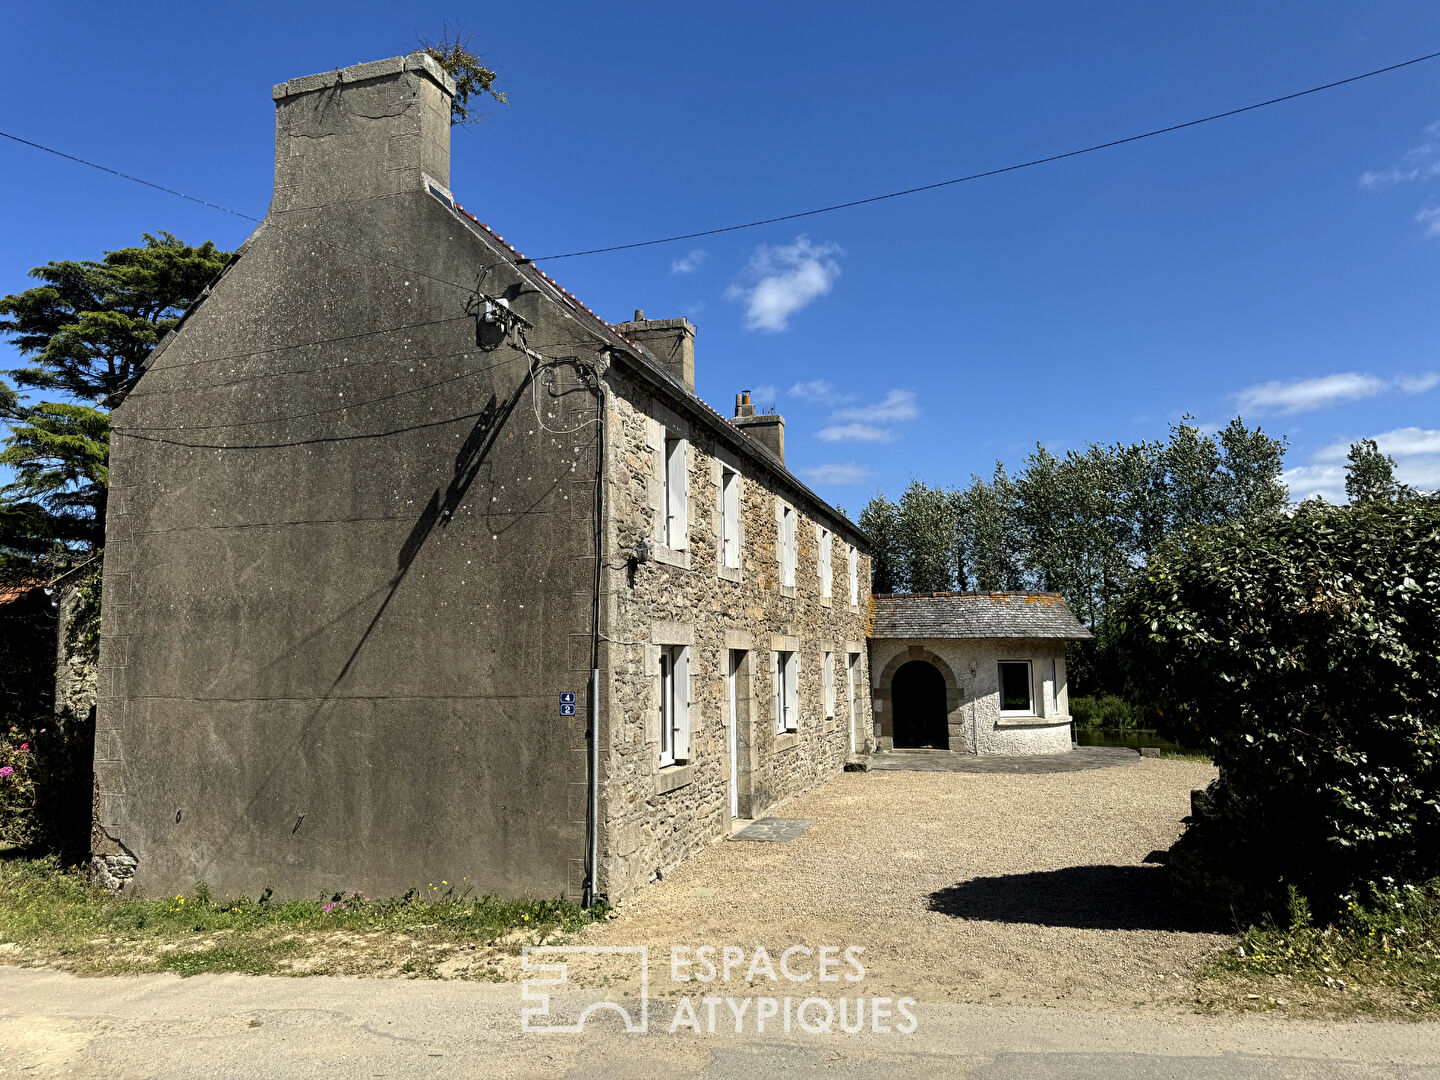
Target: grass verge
x: 57, y: 917
x: 1380, y: 957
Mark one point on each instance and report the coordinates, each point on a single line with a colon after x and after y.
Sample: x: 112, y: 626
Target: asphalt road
x: 53, y: 1024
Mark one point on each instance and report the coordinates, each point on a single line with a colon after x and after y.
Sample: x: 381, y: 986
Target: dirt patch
x: 976, y: 888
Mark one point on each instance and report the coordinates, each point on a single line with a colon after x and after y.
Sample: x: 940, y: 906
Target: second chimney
x: 767, y: 429
x: 671, y: 340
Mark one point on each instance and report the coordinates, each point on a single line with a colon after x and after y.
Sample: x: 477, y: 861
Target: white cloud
x: 1417, y: 462
x: 1303, y: 395
x: 765, y: 394
x: 1418, y: 384
x: 850, y: 473
x: 855, y: 433
x: 785, y: 278
x: 820, y: 391
x: 689, y: 263
x: 1421, y: 162
x: 896, y: 405
x: 1429, y: 217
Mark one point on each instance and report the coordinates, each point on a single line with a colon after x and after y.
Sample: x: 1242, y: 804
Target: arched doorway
x: 917, y: 696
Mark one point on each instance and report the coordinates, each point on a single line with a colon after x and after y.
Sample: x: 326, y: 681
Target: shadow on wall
x: 1082, y: 897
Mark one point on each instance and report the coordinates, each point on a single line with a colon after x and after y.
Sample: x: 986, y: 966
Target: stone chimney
x: 767, y: 429
x: 671, y: 340
x: 360, y: 132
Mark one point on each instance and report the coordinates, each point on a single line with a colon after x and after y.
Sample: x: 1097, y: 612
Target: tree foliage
x: 60, y: 454
x: 85, y: 331
x: 1370, y: 475
x: 880, y: 521
x: 90, y: 324
x: 1304, y: 652
x: 1080, y: 524
x: 467, y: 67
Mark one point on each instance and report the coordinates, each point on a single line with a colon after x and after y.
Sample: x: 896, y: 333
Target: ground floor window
x: 1016, y: 689
x: 674, y: 704
x: 785, y: 675
x: 829, y: 671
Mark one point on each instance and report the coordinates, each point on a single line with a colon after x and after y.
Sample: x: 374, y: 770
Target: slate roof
x: 547, y: 285
x: 974, y: 615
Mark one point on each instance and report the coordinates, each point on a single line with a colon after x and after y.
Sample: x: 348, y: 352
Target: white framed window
x: 829, y: 669
x: 787, y: 546
x: 827, y: 576
x: 729, y: 518
x: 674, y: 704
x: 1017, y: 690
x: 676, y: 521
x: 854, y: 569
x: 785, y: 675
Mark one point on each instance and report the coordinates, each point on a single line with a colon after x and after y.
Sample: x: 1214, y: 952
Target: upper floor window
x: 729, y: 518
x: 1017, y: 692
x: 674, y: 704
x: 787, y: 546
x: 854, y: 569
x: 827, y: 576
x: 676, y: 510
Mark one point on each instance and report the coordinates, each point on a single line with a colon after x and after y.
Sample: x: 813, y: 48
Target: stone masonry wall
x: 651, y: 817
x: 969, y: 666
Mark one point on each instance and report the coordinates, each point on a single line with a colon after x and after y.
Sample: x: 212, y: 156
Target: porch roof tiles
x: 975, y: 615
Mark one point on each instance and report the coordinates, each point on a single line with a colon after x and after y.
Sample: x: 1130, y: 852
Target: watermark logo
x: 533, y: 1016
x: 721, y: 989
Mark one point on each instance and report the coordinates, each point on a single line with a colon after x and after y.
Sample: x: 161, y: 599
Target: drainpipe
x: 593, y: 818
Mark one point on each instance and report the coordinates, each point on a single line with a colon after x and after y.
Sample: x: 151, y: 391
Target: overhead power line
x: 991, y: 172
x: 127, y: 176
x: 798, y: 214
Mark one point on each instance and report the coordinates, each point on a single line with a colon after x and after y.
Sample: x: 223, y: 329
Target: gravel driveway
x: 975, y: 888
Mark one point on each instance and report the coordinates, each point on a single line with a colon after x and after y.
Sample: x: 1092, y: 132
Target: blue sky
x: 1282, y: 264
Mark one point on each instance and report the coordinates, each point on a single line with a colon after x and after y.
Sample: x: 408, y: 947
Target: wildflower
x: 6, y: 771
x: 24, y: 748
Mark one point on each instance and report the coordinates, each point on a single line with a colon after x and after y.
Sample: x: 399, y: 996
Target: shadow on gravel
x: 1083, y: 897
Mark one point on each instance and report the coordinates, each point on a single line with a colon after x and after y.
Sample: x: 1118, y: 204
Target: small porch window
x: 1017, y: 690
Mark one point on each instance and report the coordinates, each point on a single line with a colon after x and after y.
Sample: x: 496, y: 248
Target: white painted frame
x: 1029, y: 685
x: 784, y: 671
x: 674, y: 676
x: 729, y: 517
x: 676, y: 507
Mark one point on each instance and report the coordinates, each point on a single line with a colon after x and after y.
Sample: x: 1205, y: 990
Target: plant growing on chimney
x: 458, y: 60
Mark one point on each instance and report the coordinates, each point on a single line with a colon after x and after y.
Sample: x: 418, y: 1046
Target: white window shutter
x: 829, y: 685
x: 655, y: 440
x: 792, y: 691
x: 682, y: 705
x: 775, y: 690
x: 680, y: 495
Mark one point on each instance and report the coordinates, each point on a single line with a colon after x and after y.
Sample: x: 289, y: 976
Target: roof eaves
x: 649, y: 365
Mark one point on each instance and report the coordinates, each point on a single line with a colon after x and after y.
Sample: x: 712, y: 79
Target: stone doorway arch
x: 919, y: 706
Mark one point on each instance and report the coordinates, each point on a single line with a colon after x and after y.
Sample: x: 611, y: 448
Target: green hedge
x: 1303, y: 653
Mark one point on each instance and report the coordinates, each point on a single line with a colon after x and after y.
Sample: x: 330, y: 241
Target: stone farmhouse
x: 395, y: 521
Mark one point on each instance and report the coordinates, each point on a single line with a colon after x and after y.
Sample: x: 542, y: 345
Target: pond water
x: 1134, y: 738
